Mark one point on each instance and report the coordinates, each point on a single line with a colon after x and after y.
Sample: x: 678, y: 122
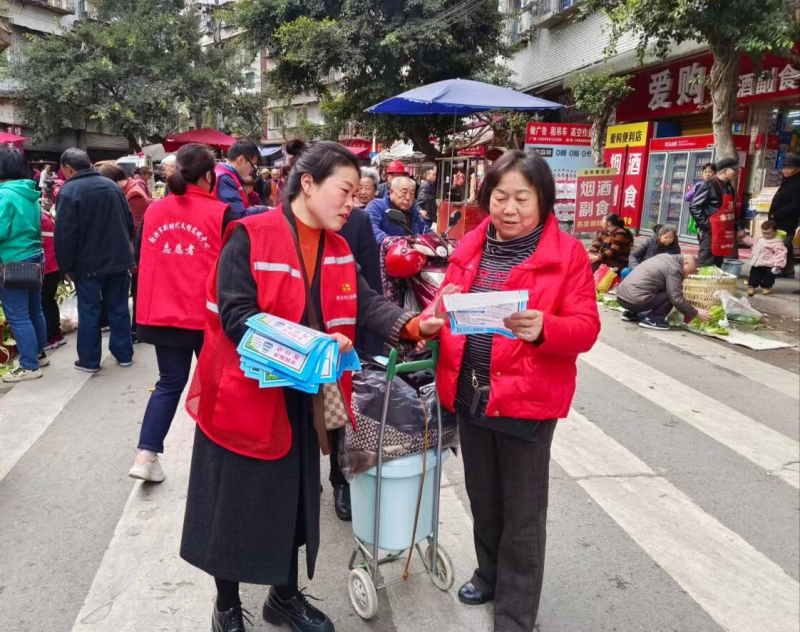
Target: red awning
x: 362, y: 153
x: 11, y: 138
x: 203, y: 136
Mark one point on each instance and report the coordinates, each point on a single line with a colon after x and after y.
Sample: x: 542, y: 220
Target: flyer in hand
x: 280, y: 353
x: 483, y: 313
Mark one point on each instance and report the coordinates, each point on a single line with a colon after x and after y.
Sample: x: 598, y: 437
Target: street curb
x: 780, y: 304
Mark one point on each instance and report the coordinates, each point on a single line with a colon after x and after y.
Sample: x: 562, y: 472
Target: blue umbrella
x: 460, y: 96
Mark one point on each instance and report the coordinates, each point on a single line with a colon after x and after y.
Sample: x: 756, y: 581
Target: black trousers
x: 507, y: 482
x: 788, y: 269
x: 134, y: 293
x: 52, y: 314
x: 761, y: 276
x: 336, y: 477
x: 704, y: 255
x: 657, y: 308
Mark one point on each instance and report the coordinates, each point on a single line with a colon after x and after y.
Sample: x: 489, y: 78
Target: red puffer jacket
x: 530, y: 381
x: 48, y: 243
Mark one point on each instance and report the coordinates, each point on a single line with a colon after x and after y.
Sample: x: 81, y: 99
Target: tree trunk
x: 198, y: 119
x: 420, y: 136
x: 598, y: 134
x: 133, y: 143
x: 723, y: 83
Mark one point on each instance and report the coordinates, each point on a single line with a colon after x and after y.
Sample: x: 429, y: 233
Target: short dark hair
x: 427, y: 171
x: 13, y: 165
x: 244, y: 147
x: 709, y: 165
x: 112, y: 171
x: 533, y: 168
x: 76, y: 159
x: 769, y: 225
x: 319, y: 159
x: 192, y: 162
x: 615, y: 220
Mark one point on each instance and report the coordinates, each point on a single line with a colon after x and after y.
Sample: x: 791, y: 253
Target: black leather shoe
x: 229, y: 621
x: 471, y: 596
x: 297, y: 613
x: 341, y: 502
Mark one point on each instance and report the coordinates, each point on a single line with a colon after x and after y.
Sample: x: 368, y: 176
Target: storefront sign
x: 680, y: 87
x: 631, y: 135
x: 595, y: 198
x: 702, y: 141
x: 629, y: 159
x: 476, y: 150
x: 557, y: 134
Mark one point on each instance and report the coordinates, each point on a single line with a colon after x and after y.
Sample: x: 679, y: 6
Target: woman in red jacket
x: 508, y: 392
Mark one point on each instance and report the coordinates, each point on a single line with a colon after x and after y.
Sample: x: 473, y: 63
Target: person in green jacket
x: 21, y: 240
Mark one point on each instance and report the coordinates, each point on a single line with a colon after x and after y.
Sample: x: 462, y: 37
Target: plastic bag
x: 405, y: 422
x: 69, y: 313
x: 604, y: 278
x: 738, y: 310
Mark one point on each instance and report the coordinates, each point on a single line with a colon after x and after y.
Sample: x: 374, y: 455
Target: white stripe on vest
x: 337, y: 260
x: 339, y: 322
x: 212, y: 307
x: 44, y: 234
x: 266, y: 266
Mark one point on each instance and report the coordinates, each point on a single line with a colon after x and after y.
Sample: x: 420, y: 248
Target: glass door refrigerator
x: 654, y: 191
x: 674, y: 188
x: 696, y: 161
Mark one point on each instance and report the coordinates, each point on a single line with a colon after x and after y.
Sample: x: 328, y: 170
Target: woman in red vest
x: 254, y: 488
x: 176, y: 246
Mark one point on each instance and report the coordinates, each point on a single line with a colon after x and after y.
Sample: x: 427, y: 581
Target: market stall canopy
x: 272, y: 151
x: 5, y: 137
x: 202, y: 136
x: 399, y: 151
x: 460, y: 96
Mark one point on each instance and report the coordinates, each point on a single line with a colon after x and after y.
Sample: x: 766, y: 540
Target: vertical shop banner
x: 566, y: 148
x: 595, y: 198
x: 626, y: 151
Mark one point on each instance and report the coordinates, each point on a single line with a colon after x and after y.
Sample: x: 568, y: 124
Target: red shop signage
x: 702, y: 141
x: 475, y: 150
x: 595, y: 199
x: 557, y: 134
x: 680, y: 87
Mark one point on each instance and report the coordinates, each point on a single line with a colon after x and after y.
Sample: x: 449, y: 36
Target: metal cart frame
x: 365, y: 579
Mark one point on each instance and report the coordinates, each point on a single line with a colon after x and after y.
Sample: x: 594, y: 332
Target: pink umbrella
x: 202, y: 136
x: 5, y: 137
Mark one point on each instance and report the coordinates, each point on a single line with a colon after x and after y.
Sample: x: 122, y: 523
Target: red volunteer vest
x: 222, y: 170
x: 230, y: 408
x: 181, y: 239
x: 723, y: 228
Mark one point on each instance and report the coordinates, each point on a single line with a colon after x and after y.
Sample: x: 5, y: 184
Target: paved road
x: 673, y: 504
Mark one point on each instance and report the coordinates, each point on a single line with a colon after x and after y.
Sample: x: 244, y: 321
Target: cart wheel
x: 363, y: 595
x: 444, y: 577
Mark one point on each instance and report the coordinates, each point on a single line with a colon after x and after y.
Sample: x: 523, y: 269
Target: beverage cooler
x: 675, y: 165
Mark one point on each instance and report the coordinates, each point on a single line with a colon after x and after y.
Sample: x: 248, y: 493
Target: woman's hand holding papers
x: 345, y: 344
x: 433, y: 318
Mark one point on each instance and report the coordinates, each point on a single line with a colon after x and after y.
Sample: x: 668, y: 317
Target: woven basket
x: 699, y: 290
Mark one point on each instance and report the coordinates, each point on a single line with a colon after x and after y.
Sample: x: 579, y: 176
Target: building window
x: 275, y: 121
x: 301, y: 113
x: 250, y: 80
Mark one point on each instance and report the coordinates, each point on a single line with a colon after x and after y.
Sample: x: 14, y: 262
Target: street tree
x: 599, y: 95
x: 369, y: 50
x: 137, y: 68
x: 729, y: 27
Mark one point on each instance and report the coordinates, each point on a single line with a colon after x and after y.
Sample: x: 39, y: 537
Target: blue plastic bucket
x: 399, y: 493
x: 732, y: 266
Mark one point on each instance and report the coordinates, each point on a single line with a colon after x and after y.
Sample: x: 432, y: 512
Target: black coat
x: 651, y: 248
x: 426, y: 200
x: 785, y: 207
x: 245, y: 516
x: 707, y: 201
x: 94, y: 227
x: 358, y: 233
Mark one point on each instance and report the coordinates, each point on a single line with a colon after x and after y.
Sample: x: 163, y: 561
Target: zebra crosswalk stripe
x: 767, y: 448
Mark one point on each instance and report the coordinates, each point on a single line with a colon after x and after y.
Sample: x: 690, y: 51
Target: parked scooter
x: 421, y: 260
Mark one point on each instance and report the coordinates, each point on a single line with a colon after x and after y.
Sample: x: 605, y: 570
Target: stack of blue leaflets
x: 280, y: 353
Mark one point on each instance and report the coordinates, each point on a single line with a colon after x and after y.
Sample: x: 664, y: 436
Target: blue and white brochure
x: 483, y: 313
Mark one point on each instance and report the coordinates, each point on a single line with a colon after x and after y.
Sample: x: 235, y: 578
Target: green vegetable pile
x: 713, y: 326
x: 711, y: 271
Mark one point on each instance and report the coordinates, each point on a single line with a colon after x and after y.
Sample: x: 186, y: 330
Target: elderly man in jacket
x: 785, y: 208
x: 401, y: 198
x: 656, y: 286
x: 707, y: 201
x: 93, y: 247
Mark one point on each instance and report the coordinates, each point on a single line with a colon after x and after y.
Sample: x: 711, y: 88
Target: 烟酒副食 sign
x: 681, y: 87
x: 595, y: 198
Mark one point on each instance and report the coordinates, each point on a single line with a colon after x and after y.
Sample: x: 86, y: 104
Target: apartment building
x: 19, y: 19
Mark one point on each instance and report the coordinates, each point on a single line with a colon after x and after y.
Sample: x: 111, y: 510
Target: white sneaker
x: 147, y: 469
x: 18, y: 374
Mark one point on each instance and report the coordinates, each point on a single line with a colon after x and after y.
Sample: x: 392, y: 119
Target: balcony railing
x: 547, y: 13
x: 64, y: 7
